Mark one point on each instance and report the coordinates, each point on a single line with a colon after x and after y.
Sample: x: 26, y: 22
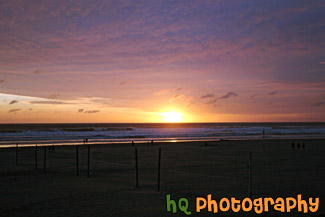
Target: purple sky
x: 128, y: 61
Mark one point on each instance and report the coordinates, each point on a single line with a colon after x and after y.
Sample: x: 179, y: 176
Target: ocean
x: 65, y: 134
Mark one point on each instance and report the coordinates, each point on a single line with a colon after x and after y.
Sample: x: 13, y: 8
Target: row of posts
x: 250, y: 165
x: 52, y: 148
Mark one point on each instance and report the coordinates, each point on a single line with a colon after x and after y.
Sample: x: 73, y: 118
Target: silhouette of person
x: 293, y: 145
x: 263, y: 132
x: 298, y: 145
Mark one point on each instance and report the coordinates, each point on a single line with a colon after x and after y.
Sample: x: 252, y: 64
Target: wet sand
x: 188, y: 169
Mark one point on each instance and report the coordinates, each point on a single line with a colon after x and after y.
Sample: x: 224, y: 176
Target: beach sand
x: 188, y: 169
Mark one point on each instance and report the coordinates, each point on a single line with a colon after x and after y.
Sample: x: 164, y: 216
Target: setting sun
x: 172, y: 116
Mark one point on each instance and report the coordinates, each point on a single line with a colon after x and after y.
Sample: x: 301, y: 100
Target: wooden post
x: 88, y: 161
x: 158, y: 178
x: 17, y: 154
x: 77, y: 160
x: 44, y: 161
x: 136, y: 169
x: 250, y: 167
x: 35, y: 156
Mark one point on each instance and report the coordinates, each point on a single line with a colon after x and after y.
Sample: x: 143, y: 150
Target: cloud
x: 272, y: 93
x: 13, y: 110
x: 81, y: 110
x: 254, y: 95
x: 162, y: 92
x: 176, y: 96
x: 212, y: 101
x: 178, y: 89
x: 37, y: 72
x: 207, y: 96
x: 318, y: 103
x: 92, y: 111
x: 322, y: 63
x: 123, y: 82
x: 2, y: 81
x: 48, y: 102
x: 53, y: 96
x: 229, y: 95
x: 13, y: 102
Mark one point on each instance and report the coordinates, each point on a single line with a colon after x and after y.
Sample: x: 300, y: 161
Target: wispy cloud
x: 37, y: 72
x: 123, y: 83
x: 318, y: 104
x: 215, y: 98
x: 53, y: 96
x: 2, y: 81
x: 209, y: 95
x: 229, y: 95
x: 13, y: 102
x: 48, y: 102
x: 212, y: 101
x: 13, y: 110
x: 81, y: 110
x: 92, y: 111
x: 272, y: 93
x: 162, y: 92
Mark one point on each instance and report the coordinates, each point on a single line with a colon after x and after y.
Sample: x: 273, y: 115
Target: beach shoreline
x: 148, y: 142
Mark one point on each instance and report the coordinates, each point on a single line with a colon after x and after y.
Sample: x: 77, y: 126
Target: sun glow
x: 172, y: 116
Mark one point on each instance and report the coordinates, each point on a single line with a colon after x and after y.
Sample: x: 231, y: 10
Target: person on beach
x: 298, y: 145
x: 293, y: 146
x: 263, y: 133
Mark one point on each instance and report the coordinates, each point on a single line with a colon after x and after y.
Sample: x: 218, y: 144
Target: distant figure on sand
x: 298, y: 145
x: 293, y: 146
x: 263, y: 133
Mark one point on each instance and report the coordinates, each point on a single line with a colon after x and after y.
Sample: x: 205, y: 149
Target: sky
x: 135, y: 61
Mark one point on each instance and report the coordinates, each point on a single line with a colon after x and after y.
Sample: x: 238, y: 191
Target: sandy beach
x: 188, y: 169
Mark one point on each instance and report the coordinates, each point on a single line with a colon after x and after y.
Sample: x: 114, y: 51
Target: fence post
x: 250, y: 167
x: 136, y: 169
x: 35, y: 156
x: 88, y: 161
x: 17, y: 154
x: 77, y: 160
x: 44, y: 166
x: 158, y: 178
